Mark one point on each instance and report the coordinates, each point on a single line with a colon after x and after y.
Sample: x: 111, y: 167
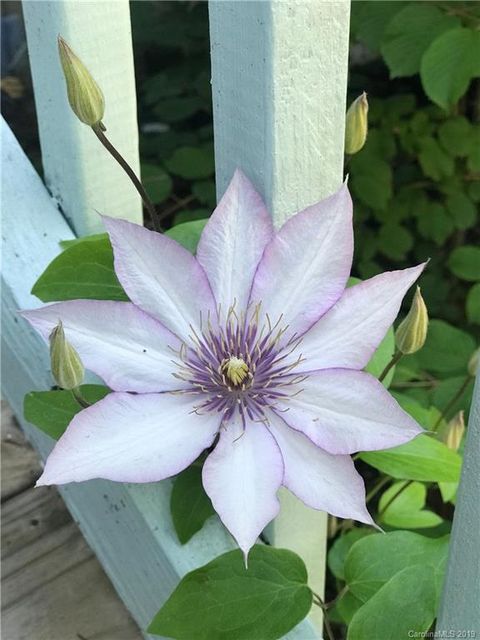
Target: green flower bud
x: 474, y: 362
x: 67, y: 368
x: 453, y: 433
x: 412, y: 331
x: 356, y: 125
x: 84, y: 94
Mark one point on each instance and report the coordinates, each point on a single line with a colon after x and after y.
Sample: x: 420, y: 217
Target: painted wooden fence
x: 279, y: 72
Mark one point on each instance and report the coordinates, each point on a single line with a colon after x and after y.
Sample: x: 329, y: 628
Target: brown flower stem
x: 131, y: 174
x: 82, y: 401
x: 396, y: 357
x: 452, y: 402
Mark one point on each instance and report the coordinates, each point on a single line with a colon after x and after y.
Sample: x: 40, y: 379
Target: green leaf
x: 427, y: 417
x: 448, y: 389
x: 446, y: 349
x: 340, y: 548
x: 382, y: 357
x: 423, y: 458
x: 178, y: 109
x: 224, y: 600
x: 188, y: 233
x: 473, y: 304
x: 157, y: 182
x: 474, y: 191
x: 52, y: 411
x: 462, y: 210
x: 448, y: 65
x: 435, y: 162
x: 405, y: 605
x: 464, y: 262
x: 405, y: 508
x: 434, y: 223
x: 189, y: 504
x: 347, y: 606
x: 374, y: 560
x: 473, y: 161
x: 371, y: 180
x: 369, y: 20
x: 64, y: 244
x: 448, y: 491
x: 83, y: 270
x: 395, y: 241
x: 205, y: 192
x: 188, y: 215
x: 409, y: 34
x: 455, y: 136
x: 191, y: 163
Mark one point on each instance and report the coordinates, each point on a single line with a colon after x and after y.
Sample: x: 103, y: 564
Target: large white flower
x: 253, y: 348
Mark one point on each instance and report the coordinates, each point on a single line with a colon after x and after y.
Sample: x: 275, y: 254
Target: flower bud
x: 412, y: 331
x: 67, y: 368
x: 474, y: 362
x: 84, y: 94
x: 356, y: 125
x: 453, y: 433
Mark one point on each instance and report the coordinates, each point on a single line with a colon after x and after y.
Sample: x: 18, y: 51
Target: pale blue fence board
x: 129, y: 527
x: 460, y: 606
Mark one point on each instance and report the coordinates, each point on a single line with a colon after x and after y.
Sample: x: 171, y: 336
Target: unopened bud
x: 67, y: 368
x: 453, y: 433
x: 356, y: 125
x: 84, y: 94
x: 474, y: 362
x: 412, y: 331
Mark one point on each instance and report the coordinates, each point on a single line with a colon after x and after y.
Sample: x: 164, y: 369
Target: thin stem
x: 326, y: 622
x: 131, y: 174
x: 396, y: 357
x: 415, y: 384
x: 82, y: 401
x: 175, y: 207
x: 452, y: 402
x: 376, y: 488
x: 392, y: 498
x: 328, y: 628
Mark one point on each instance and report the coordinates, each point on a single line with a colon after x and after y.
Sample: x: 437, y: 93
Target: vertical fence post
x: 460, y: 604
x: 279, y: 76
x: 79, y: 173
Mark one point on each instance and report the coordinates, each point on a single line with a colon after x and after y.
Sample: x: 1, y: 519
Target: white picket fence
x: 279, y: 74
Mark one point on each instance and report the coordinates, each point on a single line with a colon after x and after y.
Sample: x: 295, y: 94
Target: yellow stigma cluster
x: 235, y: 369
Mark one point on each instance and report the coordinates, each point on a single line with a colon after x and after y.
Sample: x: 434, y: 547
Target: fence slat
x: 460, y: 605
x: 129, y: 527
x: 279, y: 89
x: 79, y: 173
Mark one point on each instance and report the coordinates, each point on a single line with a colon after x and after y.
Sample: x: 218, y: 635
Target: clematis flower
x: 253, y: 350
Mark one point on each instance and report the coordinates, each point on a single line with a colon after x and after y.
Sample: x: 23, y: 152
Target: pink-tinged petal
x: 123, y: 345
x: 319, y: 479
x: 344, y: 411
x: 233, y: 241
x: 242, y: 477
x: 304, y: 269
x: 131, y: 438
x: 160, y: 276
x: 348, y: 334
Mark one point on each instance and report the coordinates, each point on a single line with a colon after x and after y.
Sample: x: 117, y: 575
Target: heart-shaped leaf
x: 224, y: 600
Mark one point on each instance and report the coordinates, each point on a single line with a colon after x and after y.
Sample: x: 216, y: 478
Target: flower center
x: 235, y: 369
x: 237, y: 365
